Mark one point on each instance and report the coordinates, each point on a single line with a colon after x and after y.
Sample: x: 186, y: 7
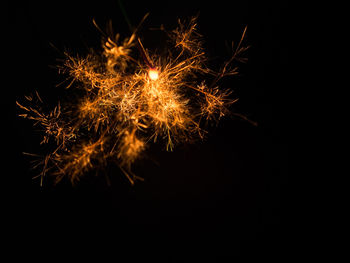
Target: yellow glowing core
x: 153, y: 74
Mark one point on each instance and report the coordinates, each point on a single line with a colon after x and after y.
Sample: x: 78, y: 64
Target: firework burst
x: 131, y: 101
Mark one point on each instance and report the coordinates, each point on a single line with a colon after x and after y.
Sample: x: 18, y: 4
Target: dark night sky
x: 226, y: 197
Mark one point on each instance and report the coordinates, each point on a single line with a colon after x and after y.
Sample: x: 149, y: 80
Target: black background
x: 225, y: 198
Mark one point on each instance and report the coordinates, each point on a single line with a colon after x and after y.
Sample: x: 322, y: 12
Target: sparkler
x: 130, y: 101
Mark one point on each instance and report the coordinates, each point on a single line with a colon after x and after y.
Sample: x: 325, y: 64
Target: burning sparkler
x: 129, y: 101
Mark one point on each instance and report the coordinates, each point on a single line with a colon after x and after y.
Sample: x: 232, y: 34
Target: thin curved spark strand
x: 129, y: 101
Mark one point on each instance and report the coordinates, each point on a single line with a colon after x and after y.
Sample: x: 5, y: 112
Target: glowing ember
x: 153, y: 74
x: 125, y: 103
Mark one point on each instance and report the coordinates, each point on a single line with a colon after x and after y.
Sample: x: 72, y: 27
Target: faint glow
x: 119, y: 112
x: 153, y: 74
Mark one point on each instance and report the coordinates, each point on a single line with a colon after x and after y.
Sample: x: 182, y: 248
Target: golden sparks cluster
x: 130, y: 97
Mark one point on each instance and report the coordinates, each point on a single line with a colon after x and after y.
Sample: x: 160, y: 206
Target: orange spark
x: 127, y: 102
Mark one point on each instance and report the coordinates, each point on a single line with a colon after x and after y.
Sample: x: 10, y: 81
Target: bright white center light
x: 153, y: 74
